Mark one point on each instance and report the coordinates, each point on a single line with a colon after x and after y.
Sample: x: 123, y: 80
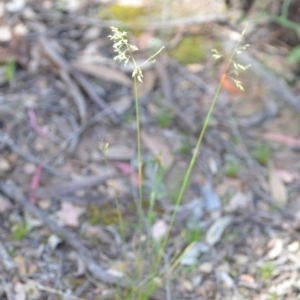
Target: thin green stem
x: 151, y: 57
x: 195, y: 154
x: 138, y: 142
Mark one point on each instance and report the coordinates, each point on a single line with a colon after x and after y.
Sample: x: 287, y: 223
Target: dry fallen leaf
x: 19, y: 290
x: 286, y: 176
x: 102, y: 72
x: 227, y: 83
x: 159, y: 229
x: 247, y: 278
x: 21, y: 263
x: 69, y: 214
x: 278, y: 189
x: 276, y: 249
x: 216, y: 230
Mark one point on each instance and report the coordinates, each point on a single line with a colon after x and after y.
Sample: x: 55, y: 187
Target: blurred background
x: 68, y: 145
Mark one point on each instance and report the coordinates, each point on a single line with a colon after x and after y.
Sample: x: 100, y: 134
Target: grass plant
x: 147, y: 281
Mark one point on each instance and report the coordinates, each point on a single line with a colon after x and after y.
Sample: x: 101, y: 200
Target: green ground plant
x: 9, y: 69
x: 232, y: 166
x: 262, y: 153
x: 164, y: 116
x: 19, y: 232
x: 266, y: 271
x: 147, y: 281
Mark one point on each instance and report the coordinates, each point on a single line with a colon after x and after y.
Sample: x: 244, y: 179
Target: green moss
x: 127, y: 13
x: 266, y: 271
x: 184, y: 147
x: 189, y: 51
x: 228, y: 195
x: 9, y: 69
x: 193, y: 234
x: 262, y: 153
x: 19, y: 232
x: 164, y: 117
x: 103, y: 215
x: 231, y: 167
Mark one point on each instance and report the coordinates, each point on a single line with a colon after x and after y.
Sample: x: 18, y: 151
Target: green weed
x: 184, y: 148
x: 148, y: 282
x: 193, y: 234
x: 266, y: 271
x: 231, y: 167
x: 164, y: 117
x: 9, y: 69
x: 262, y: 153
x: 19, y: 232
x: 189, y: 50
